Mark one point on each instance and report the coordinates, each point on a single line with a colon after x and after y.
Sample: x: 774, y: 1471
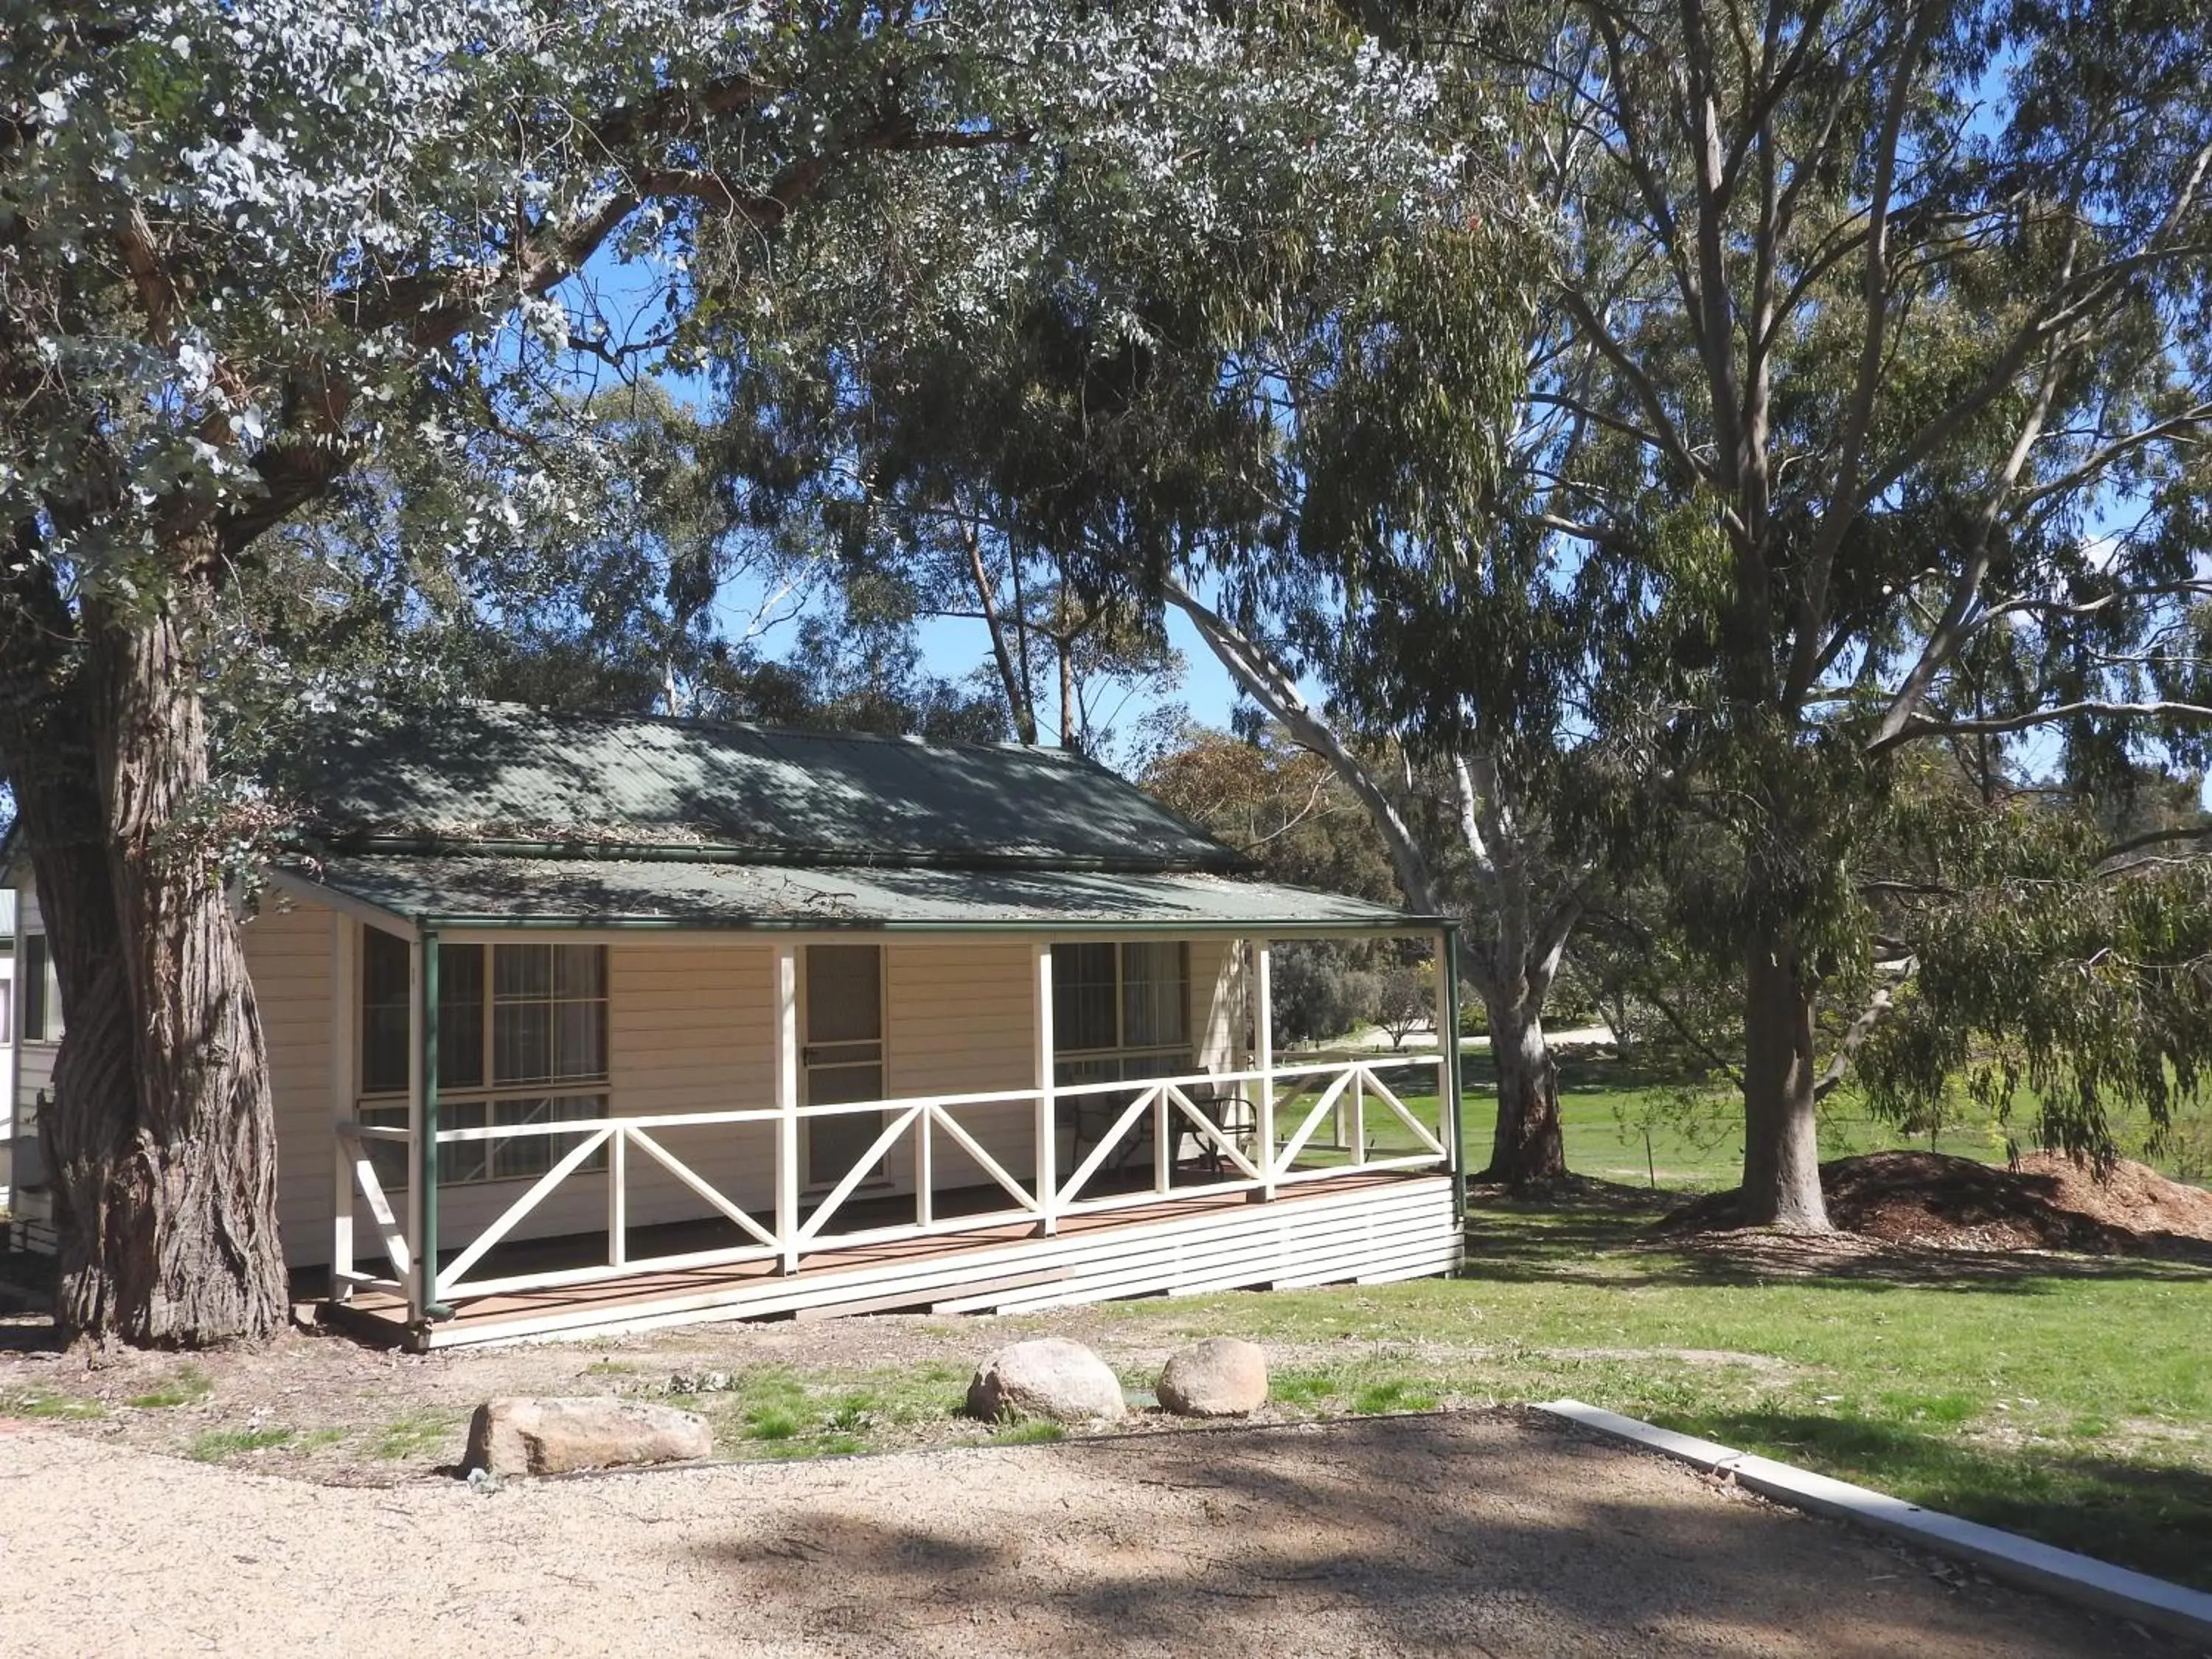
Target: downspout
x: 426, y: 1148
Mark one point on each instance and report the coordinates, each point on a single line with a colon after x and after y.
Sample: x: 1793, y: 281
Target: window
x: 1119, y: 1011
x: 506, y: 1039
x: 36, y: 972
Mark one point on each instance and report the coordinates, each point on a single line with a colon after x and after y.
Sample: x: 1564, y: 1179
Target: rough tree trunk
x: 170, y: 1183
x: 1526, y: 1148
x: 95, y: 1098
x: 46, y: 745
x: 1781, y: 1145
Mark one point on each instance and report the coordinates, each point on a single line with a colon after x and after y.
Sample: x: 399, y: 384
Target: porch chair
x: 1228, y: 1110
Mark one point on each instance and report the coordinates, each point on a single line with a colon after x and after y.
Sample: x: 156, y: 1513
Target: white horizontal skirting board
x: 1403, y: 1247
x: 2070, y: 1576
x: 1402, y: 1231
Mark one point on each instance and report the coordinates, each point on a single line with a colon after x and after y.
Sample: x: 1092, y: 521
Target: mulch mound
x: 2044, y: 1202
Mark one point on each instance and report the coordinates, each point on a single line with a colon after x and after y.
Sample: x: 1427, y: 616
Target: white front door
x: 842, y: 1056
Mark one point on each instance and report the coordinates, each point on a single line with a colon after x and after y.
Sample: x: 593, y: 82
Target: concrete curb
x: 2004, y: 1555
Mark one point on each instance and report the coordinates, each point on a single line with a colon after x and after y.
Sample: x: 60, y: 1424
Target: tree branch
x: 1854, y: 1039
x: 1252, y: 667
x: 1922, y: 726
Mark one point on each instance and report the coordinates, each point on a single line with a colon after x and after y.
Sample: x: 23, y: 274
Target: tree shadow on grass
x: 1597, y: 1233
x: 2153, y: 1517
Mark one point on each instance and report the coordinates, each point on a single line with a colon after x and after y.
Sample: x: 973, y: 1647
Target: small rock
x: 1048, y: 1377
x: 700, y: 1383
x: 552, y: 1437
x: 1221, y: 1376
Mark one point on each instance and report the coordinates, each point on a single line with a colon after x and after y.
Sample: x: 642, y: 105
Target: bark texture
x: 1527, y: 1147
x: 161, y: 1134
x: 180, y: 1232
x: 1782, y: 1151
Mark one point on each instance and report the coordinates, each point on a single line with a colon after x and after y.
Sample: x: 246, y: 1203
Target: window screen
x: 508, y: 1015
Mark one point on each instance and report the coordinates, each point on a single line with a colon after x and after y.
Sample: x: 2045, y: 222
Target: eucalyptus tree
x: 246, y: 245
x: 1309, y: 451
x: 1898, y: 317
x: 1406, y: 559
x: 935, y: 522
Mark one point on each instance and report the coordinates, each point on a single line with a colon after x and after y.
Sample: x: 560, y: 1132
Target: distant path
x: 1478, y: 1535
x: 1424, y: 1042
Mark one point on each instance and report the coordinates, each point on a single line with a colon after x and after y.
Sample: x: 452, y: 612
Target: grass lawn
x: 2068, y: 1399
x: 1605, y: 1105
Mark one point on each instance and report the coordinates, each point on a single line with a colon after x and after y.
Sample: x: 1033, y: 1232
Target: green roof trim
x: 580, y: 784
x: 496, y: 891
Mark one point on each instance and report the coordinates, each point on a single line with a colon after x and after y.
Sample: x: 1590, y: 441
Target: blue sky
x: 626, y: 295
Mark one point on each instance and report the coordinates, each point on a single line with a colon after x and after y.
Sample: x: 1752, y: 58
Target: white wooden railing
x: 1273, y: 1143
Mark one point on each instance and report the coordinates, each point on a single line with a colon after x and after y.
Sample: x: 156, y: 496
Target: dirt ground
x: 1931, y: 1200
x: 321, y: 1408
x: 324, y: 1408
x: 1486, y: 1534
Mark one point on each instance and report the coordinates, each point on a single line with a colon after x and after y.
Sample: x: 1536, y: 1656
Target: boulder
x: 552, y: 1437
x: 1221, y: 1376
x: 1049, y: 1376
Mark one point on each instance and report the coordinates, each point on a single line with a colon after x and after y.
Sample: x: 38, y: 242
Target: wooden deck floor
x: 1352, y: 1227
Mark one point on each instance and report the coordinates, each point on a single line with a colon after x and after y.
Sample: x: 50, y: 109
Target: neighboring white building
x: 30, y: 1035
x: 7, y: 1038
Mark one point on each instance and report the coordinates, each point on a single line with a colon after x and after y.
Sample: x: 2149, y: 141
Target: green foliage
x: 771, y: 1422
x: 186, y: 1385
x: 2047, y: 966
x: 217, y: 1445
x: 1280, y: 805
x: 1297, y: 1388
x: 1830, y: 508
x: 1320, y: 991
x: 415, y: 1434
x: 46, y: 1403
x: 1392, y: 1394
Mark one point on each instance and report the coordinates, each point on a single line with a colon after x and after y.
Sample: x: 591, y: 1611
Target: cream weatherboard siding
x: 287, y: 952
x: 690, y: 1029
x: 961, y: 1021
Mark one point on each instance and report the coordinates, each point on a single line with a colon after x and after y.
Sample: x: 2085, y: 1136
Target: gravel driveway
x: 1482, y: 1534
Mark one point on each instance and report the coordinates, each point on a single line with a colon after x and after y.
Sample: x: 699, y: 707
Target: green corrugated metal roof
x: 462, y: 890
x: 502, y: 772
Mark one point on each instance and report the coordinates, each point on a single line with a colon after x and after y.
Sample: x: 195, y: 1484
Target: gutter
x: 1170, y: 927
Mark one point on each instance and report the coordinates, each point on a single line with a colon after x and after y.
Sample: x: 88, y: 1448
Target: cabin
x: 582, y: 1023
